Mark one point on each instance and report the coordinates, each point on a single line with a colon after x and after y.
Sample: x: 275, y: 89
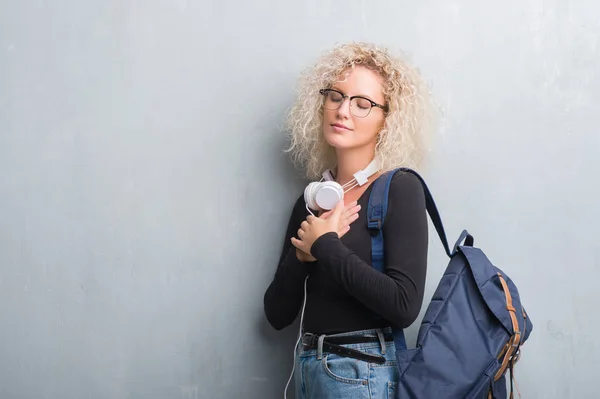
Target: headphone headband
x: 362, y: 176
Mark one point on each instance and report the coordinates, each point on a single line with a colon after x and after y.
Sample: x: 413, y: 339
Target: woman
x: 358, y: 106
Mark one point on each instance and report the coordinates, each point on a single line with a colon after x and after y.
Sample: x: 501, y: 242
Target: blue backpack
x: 474, y: 325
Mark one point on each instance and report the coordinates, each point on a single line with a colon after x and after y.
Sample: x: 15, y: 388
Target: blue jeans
x: 322, y: 375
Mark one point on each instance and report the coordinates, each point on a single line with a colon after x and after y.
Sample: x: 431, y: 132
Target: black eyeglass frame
x: 344, y: 96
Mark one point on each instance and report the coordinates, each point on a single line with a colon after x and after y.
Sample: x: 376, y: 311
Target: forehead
x: 361, y: 81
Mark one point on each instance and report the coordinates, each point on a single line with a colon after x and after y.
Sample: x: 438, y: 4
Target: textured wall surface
x: 144, y: 192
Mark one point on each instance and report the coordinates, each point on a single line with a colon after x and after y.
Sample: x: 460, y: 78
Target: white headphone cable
x: 298, y: 341
x: 309, y: 211
x: 352, y: 183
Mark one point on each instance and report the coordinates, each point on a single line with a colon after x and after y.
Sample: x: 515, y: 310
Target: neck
x: 351, y: 161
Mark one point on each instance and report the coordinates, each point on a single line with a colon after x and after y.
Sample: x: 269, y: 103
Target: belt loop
x: 320, y: 347
x: 303, y: 339
x: 381, y: 341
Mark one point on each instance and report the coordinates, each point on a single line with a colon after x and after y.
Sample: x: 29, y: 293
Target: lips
x: 340, y: 126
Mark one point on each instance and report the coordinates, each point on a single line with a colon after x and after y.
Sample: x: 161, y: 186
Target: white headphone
x: 324, y: 195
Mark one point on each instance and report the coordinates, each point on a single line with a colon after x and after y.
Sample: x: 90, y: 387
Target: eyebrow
x: 357, y: 95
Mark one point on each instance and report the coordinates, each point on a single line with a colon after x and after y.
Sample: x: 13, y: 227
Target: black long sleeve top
x: 344, y: 293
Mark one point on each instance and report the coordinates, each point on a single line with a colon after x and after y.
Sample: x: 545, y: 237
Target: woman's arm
x: 284, y: 296
x: 397, y: 294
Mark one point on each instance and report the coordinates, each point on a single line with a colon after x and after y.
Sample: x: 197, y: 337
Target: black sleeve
x: 397, y: 294
x: 284, y: 296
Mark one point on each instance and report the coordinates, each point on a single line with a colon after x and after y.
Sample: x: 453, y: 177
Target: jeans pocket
x: 345, y: 369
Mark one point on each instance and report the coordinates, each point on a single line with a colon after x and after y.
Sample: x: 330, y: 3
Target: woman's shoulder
x: 406, y: 188
x: 406, y: 180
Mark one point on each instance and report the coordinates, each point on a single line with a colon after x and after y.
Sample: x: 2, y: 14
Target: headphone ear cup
x: 327, y: 196
x: 309, y: 195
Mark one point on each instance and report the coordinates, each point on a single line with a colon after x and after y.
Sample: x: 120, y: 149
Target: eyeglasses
x: 359, y: 106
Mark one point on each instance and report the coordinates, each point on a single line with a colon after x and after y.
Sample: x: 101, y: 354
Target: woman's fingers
x: 343, y: 231
x: 297, y: 243
x: 301, y: 245
x: 350, y: 217
x: 351, y: 211
x: 325, y: 215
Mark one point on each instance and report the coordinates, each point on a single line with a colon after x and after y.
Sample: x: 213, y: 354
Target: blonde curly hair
x: 410, y: 120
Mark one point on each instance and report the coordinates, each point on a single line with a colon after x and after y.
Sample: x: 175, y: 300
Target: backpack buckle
x: 374, y: 217
x: 516, y: 342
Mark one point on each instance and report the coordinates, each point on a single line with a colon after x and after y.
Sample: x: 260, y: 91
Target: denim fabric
x: 335, y: 376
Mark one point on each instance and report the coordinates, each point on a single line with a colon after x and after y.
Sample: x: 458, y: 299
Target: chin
x: 337, y: 140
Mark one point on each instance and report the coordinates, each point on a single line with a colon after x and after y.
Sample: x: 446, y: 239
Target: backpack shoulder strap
x: 376, y: 211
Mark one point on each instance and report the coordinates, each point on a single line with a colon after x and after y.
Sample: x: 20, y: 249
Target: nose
x: 343, y: 111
